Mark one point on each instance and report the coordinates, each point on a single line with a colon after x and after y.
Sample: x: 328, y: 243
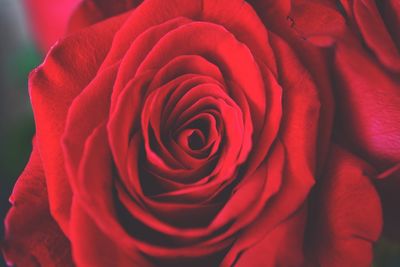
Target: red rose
x: 189, y: 133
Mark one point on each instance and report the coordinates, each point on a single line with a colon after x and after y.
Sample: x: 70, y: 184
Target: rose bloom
x: 211, y: 133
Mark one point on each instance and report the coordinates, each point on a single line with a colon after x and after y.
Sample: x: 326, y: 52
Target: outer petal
x: 283, y: 246
x: 317, y: 21
x: 375, y: 34
x: 67, y: 69
x: 298, y: 134
x: 369, y: 106
x: 268, y: 8
x: 370, y: 102
x: 370, y: 96
x: 348, y: 217
x: 32, y: 236
x: 89, y: 12
x: 93, y: 248
x: 315, y: 59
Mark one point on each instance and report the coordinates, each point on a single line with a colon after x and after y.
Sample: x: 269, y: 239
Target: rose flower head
x: 191, y: 133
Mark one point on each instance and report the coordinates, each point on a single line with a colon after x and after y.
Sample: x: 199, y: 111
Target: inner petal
x: 208, y: 125
x: 192, y: 139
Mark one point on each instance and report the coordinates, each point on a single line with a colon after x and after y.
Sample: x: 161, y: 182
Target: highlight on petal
x: 297, y: 139
x: 369, y: 100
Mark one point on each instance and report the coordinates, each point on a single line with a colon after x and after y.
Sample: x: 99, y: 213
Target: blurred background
x: 20, y: 51
x: 18, y: 55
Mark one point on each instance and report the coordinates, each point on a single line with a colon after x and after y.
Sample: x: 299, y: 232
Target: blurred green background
x: 18, y: 56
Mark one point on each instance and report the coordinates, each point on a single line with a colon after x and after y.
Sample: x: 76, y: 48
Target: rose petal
x: 240, y: 68
x: 237, y: 16
x: 97, y: 199
x: 370, y: 99
x: 250, y: 197
x: 318, y: 22
x: 94, y: 100
x: 91, y: 247
x: 375, y: 34
x: 138, y: 50
x: 186, y: 64
x: 89, y: 12
x: 298, y: 136
x: 283, y: 246
x: 315, y: 60
x: 32, y: 236
x: 348, y: 214
x: 67, y: 69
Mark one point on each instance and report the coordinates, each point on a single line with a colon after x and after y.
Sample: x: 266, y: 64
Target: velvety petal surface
x: 67, y: 69
x: 348, y: 216
x: 89, y: 12
x: 32, y: 237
